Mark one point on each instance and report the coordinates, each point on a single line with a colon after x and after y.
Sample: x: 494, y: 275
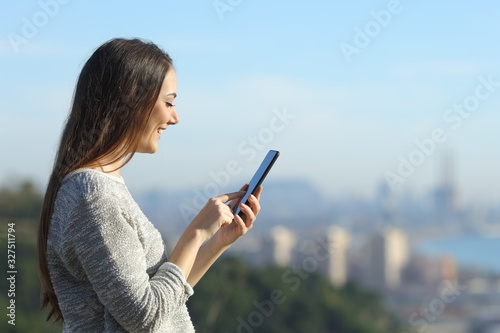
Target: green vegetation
x: 20, y: 202
x: 21, y: 206
x: 232, y: 297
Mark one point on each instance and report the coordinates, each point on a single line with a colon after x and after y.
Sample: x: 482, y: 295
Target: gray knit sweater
x: 108, y: 263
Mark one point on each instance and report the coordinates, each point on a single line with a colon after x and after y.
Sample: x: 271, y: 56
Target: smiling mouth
x: 160, y: 130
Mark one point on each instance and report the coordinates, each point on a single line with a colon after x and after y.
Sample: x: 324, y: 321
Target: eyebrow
x: 174, y: 94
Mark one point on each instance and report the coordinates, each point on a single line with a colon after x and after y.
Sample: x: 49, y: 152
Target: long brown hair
x: 114, y: 96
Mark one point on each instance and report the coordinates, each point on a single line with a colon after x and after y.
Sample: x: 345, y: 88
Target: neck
x: 106, y: 167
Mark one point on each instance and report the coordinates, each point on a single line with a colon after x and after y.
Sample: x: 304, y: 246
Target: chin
x: 148, y: 150
x: 152, y: 150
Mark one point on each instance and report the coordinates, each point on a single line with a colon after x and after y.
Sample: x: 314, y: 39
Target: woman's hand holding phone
x: 230, y: 233
x: 215, y: 214
x: 231, y: 221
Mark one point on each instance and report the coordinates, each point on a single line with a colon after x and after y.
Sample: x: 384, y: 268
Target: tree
x: 234, y: 297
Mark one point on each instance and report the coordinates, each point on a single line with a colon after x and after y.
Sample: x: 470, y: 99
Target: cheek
x: 161, y: 114
x: 155, y: 116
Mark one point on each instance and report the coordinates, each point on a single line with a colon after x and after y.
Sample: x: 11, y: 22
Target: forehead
x: 169, y: 85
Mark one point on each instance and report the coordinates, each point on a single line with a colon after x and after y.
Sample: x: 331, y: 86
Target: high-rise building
x: 284, y: 241
x: 389, y: 255
x: 445, y: 194
x: 339, y: 240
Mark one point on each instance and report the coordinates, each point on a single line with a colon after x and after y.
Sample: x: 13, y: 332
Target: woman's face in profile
x: 163, y: 114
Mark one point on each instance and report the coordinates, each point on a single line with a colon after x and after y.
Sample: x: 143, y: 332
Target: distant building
x: 389, y: 255
x: 339, y: 240
x: 485, y: 324
x: 385, y: 201
x: 431, y: 270
x: 284, y: 241
x: 445, y: 194
x: 448, y: 268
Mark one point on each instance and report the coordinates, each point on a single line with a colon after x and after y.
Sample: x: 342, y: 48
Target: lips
x: 160, y: 130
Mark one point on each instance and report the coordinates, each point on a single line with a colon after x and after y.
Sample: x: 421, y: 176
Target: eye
x: 169, y: 104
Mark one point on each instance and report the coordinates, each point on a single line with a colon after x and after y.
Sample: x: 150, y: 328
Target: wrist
x: 193, y: 235
x: 217, y: 243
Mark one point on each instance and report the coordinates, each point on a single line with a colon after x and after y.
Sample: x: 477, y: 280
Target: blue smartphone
x: 257, y: 179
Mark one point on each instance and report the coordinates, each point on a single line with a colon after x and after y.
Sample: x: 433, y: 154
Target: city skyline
x: 430, y: 292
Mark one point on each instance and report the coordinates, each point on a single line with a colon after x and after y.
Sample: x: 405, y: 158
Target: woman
x: 102, y: 264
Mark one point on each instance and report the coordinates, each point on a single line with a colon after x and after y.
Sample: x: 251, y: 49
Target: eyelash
x: 169, y: 104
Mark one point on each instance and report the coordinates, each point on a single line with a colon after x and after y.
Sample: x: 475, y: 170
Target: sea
x: 468, y: 250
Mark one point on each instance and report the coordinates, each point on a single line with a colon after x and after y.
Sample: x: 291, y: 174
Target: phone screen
x: 258, y: 178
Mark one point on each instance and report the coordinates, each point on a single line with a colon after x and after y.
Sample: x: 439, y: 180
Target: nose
x: 175, y: 118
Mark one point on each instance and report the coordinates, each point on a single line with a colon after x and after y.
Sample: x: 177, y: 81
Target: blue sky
x: 349, y: 121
